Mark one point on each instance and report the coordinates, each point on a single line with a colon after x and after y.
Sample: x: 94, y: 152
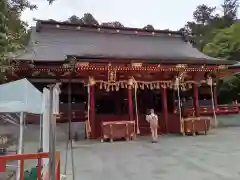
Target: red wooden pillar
x: 2, y: 166
x: 165, y: 108
x: 215, y: 95
x: 130, y: 103
x: 92, y: 112
x: 196, y: 101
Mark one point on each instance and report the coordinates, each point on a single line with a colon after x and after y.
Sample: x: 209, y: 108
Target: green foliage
x: 228, y: 89
x: 218, y: 36
x: 207, y: 22
x: 225, y: 44
x: 13, y: 32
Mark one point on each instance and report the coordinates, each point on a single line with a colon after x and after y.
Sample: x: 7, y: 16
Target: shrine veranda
x: 116, y: 74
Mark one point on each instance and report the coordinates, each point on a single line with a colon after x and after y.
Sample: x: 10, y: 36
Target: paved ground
x: 212, y: 157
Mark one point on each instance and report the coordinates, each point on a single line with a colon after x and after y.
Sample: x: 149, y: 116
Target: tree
x: 230, y: 8
x: 207, y: 23
x: 88, y: 19
x: 115, y: 24
x: 225, y: 44
x: 75, y: 19
x: 149, y: 27
x: 12, y: 30
x: 230, y: 86
x: 203, y: 14
x: 13, y: 33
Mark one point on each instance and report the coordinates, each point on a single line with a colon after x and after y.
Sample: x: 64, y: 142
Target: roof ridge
x: 40, y: 23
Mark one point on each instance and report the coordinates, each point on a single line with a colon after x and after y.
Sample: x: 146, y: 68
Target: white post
x: 45, y: 124
x: 20, y: 143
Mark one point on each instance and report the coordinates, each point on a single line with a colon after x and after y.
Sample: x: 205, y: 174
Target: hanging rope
x: 136, y: 107
x: 88, y: 125
x: 179, y: 99
x: 69, y: 141
x: 210, y: 83
x: 177, y: 86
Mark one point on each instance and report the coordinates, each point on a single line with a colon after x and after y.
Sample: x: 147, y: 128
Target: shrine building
x: 116, y: 74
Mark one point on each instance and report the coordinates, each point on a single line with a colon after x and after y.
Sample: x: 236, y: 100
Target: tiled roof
x: 54, y: 44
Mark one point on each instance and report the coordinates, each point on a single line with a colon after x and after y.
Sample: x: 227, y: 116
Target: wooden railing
x: 38, y: 157
x: 208, y: 110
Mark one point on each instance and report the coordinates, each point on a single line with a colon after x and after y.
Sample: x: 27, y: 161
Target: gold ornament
x: 91, y: 81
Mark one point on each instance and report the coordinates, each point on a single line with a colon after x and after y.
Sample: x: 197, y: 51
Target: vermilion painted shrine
x: 117, y: 74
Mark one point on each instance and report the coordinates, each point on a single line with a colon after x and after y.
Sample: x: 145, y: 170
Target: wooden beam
x: 47, y: 80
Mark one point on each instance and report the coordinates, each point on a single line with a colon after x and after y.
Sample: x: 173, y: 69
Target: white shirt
x: 151, y: 116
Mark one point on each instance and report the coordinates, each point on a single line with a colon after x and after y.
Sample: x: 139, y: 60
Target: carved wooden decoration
x: 112, y: 75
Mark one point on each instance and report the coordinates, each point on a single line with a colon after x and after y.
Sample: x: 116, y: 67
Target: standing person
x: 152, y: 119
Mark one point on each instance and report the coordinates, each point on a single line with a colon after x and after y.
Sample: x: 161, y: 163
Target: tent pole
x: 52, y: 145
x: 20, y: 143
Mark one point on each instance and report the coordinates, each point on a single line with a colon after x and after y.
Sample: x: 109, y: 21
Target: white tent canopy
x: 20, y: 96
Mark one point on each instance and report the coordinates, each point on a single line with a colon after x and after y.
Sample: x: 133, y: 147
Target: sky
x: 162, y: 14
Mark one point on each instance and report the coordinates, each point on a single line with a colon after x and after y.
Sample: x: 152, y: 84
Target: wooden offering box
x: 195, y: 125
x: 117, y: 130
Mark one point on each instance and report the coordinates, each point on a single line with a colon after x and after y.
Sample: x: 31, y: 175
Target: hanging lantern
x: 158, y: 86
x: 101, y: 85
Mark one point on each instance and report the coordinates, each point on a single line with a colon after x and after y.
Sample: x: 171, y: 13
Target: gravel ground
x: 215, y: 156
